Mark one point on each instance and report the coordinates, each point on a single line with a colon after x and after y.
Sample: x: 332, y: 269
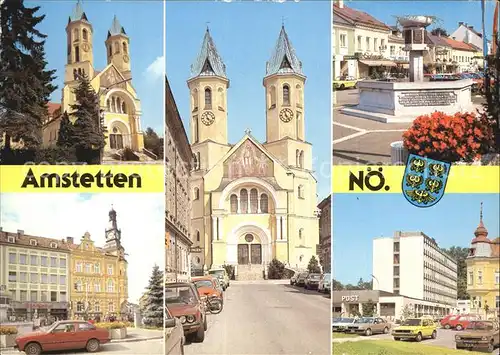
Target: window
x: 396, y: 247
x: 497, y: 302
x: 198, y: 155
x: 12, y: 276
x: 23, y: 295
x: 88, y: 268
x: 117, y: 47
x: 264, y: 203
x: 34, y: 296
x: 12, y: 258
x: 197, y: 236
x: 375, y: 44
x: 367, y: 44
x: 343, y: 40
x: 53, y: 261
x: 97, y: 307
x: 497, y: 277
x: 53, y: 245
x: 62, y: 297
x: 85, y: 34
x: 360, y: 46
x: 44, y: 261
x: 62, y: 263
x: 11, y: 239
x: 33, y: 278
x: 244, y: 201
x: 78, y: 267
x: 33, y: 242
x: 62, y: 279
x: 77, y: 54
x: 34, y: 259
x: 86, y: 326
x: 23, y: 277
x: 301, y: 233
x: 234, y: 203
x: 396, y: 270
x: 479, y: 277
x: 196, y: 194
x: 300, y: 191
x: 124, y: 45
x: 272, y: 97
x: 111, y: 286
x: 254, y: 197
x: 471, y: 278
x: 97, y: 268
x: 208, y: 98
x: 110, y: 269
x: 79, y: 307
x: 53, y: 296
x: 286, y: 95
x: 301, y: 159
x: 53, y: 279
x: 45, y: 278
x: 111, y: 307
x: 97, y: 287
x: 23, y: 259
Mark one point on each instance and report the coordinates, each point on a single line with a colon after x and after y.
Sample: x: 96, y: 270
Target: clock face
x: 286, y: 115
x: 85, y: 47
x: 207, y: 118
x: 126, y: 58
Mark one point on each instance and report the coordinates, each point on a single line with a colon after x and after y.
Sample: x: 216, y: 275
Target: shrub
x: 460, y: 137
x: 129, y: 155
x: 111, y: 325
x: 8, y: 330
x: 276, y: 270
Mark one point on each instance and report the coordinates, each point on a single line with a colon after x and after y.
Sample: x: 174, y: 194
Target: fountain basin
x: 415, y: 21
x: 399, y: 102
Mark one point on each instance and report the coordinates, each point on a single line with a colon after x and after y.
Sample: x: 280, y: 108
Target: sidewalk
x: 260, y: 282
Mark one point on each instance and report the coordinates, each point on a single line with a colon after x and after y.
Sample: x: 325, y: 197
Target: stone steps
x: 250, y: 273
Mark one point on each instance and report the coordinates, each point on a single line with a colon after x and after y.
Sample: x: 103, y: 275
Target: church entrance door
x: 249, y: 252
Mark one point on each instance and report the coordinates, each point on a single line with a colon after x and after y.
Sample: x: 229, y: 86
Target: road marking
x: 349, y: 127
x: 351, y: 136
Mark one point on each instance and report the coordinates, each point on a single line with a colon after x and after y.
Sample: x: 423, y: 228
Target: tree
x: 66, y: 133
x: 152, y: 306
x: 313, y: 266
x: 368, y: 308
x: 25, y: 84
x: 88, y: 134
x: 362, y: 285
x: 406, y: 312
x: 438, y: 31
x: 153, y: 142
x: 460, y: 254
x: 337, y: 285
x: 276, y: 270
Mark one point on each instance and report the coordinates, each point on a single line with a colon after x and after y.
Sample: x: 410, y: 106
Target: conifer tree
x: 66, y: 135
x: 25, y: 83
x: 152, y: 308
x: 313, y: 266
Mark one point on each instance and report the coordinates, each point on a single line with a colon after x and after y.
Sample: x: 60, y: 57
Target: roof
x: 459, y: 45
x: 325, y: 202
x: 437, y: 40
x: 24, y: 240
x: 116, y: 28
x: 208, y: 62
x: 338, y: 20
x: 52, y: 107
x: 359, y: 17
x: 283, y: 58
x: 78, y: 14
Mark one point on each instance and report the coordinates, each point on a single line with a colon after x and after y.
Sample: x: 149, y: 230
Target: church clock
x: 85, y: 47
x: 286, y: 115
x: 126, y: 58
x: 207, y: 118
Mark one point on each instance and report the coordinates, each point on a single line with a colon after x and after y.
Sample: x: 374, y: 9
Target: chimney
x: 20, y: 232
x: 70, y: 240
x: 340, y: 4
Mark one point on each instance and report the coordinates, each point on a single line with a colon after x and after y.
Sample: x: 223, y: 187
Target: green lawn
x: 390, y: 347
x: 336, y: 335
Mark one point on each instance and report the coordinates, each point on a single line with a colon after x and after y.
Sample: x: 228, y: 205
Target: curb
x: 261, y: 282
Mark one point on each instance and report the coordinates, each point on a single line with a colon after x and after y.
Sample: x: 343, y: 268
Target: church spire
x: 283, y: 59
x: 208, y: 62
x: 116, y: 28
x: 78, y: 14
x: 481, y: 231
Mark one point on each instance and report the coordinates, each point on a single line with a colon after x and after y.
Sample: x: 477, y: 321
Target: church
x: 252, y: 201
x: 119, y: 102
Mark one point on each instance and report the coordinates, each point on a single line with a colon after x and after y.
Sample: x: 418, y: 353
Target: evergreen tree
x: 153, y: 142
x: 313, y: 266
x: 66, y: 135
x: 276, y: 270
x: 25, y: 84
x: 152, y: 307
x: 88, y: 134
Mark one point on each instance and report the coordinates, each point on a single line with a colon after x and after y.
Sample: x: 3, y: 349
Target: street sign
x: 195, y: 250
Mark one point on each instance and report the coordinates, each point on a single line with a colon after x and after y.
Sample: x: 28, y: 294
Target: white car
x: 325, y: 284
x: 340, y: 324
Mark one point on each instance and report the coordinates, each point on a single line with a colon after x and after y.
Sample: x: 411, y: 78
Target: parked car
x: 462, y: 321
x: 183, y: 301
x: 484, y: 335
x: 341, y: 324
x: 301, y: 279
x: 64, y: 335
x: 345, y: 82
x: 416, y: 328
x: 325, y: 284
x: 222, y: 275
x: 312, y: 281
x: 293, y: 279
x: 174, y: 335
x: 369, y: 326
x: 207, y: 286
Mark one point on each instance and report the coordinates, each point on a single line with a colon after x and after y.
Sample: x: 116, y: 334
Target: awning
x: 406, y: 66
x: 378, y: 63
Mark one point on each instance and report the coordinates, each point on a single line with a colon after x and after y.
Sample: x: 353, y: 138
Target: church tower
x: 113, y: 235
x: 208, y: 86
x: 117, y: 48
x: 284, y: 84
x: 80, y: 57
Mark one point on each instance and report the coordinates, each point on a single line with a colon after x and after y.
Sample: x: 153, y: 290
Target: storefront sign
x: 352, y: 298
x: 40, y: 305
x: 195, y: 250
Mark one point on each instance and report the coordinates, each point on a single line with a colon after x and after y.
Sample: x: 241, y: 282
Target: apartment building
x: 412, y: 264
x: 34, y: 274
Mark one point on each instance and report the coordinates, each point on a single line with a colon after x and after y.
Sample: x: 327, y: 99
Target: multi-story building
x: 325, y: 234
x: 34, y: 272
x: 99, y: 281
x: 344, y: 59
x: 412, y: 264
x: 463, y: 54
x: 483, y: 272
x: 178, y: 195
x: 467, y: 34
x: 252, y: 202
x: 396, y: 47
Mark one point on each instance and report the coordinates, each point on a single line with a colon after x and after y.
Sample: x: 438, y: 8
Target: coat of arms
x: 424, y: 180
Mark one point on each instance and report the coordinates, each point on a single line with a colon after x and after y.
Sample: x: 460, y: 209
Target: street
x: 148, y: 347
x: 266, y: 318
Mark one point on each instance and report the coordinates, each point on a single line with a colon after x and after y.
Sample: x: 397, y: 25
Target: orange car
x: 207, y: 286
x: 64, y: 335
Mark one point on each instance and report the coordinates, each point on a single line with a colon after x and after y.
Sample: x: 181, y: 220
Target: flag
x: 495, y: 28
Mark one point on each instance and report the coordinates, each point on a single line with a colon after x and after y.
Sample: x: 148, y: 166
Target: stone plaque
x: 427, y: 98
x: 248, y: 161
x: 418, y: 37
x: 407, y: 36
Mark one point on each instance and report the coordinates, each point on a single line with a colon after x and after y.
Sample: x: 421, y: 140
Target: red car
x: 64, y: 335
x: 461, y: 322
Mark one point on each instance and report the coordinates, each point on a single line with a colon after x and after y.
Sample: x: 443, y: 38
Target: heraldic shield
x: 424, y: 180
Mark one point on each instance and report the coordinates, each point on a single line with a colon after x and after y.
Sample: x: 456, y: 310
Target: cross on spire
x: 248, y: 131
x: 282, y: 21
x: 481, y: 212
x: 208, y: 27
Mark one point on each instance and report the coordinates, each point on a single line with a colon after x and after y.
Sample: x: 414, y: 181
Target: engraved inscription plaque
x: 427, y: 98
x: 407, y: 36
x: 418, y: 37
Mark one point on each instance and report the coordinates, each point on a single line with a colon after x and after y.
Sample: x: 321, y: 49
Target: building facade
x: 119, y: 102
x: 325, y: 234
x: 34, y: 274
x: 411, y: 264
x: 483, y: 272
x: 178, y: 160
x: 252, y: 201
x: 99, y: 281
x: 467, y: 34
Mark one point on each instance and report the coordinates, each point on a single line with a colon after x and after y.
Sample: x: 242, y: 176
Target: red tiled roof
x: 459, y: 45
x: 22, y: 239
x: 53, y: 107
x: 359, y: 17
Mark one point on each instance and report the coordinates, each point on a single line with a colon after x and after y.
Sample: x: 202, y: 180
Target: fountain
x: 390, y: 102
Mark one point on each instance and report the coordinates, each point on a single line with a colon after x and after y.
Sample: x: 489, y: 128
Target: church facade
x: 252, y: 201
x: 119, y: 102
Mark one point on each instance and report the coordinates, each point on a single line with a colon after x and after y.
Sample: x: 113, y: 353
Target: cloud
x: 140, y: 218
x: 156, y: 70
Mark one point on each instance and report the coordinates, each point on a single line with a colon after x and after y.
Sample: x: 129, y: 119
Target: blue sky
x: 245, y: 34
x: 449, y: 13
x: 358, y: 219
x: 146, y: 46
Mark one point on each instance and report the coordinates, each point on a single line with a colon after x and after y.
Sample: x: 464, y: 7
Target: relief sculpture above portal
x: 248, y: 161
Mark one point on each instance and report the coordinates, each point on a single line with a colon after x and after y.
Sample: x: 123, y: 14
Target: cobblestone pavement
x: 268, y: 318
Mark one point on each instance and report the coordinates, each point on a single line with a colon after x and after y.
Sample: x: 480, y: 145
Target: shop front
x: 349, y: 303
x: 27, y: 311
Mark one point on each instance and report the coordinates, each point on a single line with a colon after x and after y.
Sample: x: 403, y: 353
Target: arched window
x: 299, y: 95
x: 286, y: 94
x: 124, y: 47
x: 113, y: 104
x: 234, y: 203
x: 208, y: 98
x: 77, y: 54
x: 221, y: 97
x: 264, y: 203
x: 111, y: 286
x: 79, y: 73
x: 272, y: 97
x: 194, y: 98
x: 196, y: 130
x: 80, y: 307
x: 199, y: 160
x: 116, y: 139
x: 196, y: 194
x: 301, y: 234
x: 300, y: 191
x: 118, y: 105
x: 76, y: 34
x: 110, y: 51
x: 244, y: 201
x: 124, y: 107
x: 297, y: 160
x: 85, y: 34
x: 79, y: 286
x: 195, y: 162
x: 111, y: 307
x: 117, y: 47
x: 197, y: 236
x: 254, y: 197
x: 301, y: 159
x: 75, y: 74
